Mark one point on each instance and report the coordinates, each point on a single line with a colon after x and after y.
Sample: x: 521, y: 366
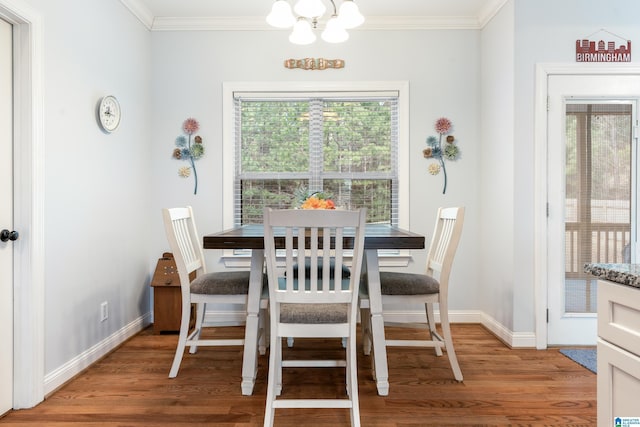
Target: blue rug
x: 584, y: 356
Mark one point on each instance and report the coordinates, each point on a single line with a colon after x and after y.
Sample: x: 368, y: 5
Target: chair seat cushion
x: 313, y: 313
x: 394, y: 283
x: 221, y: 283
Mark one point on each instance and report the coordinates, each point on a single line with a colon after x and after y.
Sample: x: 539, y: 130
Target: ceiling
x: 250, y: 14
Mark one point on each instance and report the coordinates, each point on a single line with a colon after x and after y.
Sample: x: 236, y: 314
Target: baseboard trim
x: 66, y: 372
x: 510, y: 338
x: 69, y: 370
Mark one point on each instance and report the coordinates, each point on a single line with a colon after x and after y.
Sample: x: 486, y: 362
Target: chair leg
x: 352, y: 380
x: 431, y: 320
x: 365, y: 324
x: 278, y: 369
x: 200, y: 309
x: 269, y: 412
x: 347, y: 376
x: 448, y: 341
x: 263, y: 331
x: 182, y: 339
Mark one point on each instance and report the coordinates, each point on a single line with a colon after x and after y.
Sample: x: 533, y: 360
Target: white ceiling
x: 249, y: 14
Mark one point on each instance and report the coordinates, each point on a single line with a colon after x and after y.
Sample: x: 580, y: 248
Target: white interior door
x: 591, y: 182
x: 6, y: 216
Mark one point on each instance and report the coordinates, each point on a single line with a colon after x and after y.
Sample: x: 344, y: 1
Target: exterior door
x: 591, y: 194
x: 6, y: 216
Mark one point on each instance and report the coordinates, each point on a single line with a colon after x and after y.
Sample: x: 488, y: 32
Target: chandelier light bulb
x: 306, y: 17
x: 302, y: 32
x: 310, y: 8
x: 281, y: 15
x: 350, y: 16
x: 334, y: 32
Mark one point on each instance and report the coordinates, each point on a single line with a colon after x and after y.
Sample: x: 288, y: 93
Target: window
x: 289, y: 143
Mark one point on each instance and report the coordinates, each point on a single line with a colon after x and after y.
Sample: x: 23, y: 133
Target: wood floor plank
x: 130, y: 387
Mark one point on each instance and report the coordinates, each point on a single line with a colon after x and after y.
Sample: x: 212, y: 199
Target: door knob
x: 6, y: 235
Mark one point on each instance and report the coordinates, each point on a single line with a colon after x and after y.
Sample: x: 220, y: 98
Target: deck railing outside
x: 586, y: 243
x: 595, y: 242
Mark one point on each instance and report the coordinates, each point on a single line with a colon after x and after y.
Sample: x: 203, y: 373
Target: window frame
x: 228, y: 141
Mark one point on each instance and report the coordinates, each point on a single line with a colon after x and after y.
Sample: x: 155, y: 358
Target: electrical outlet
x: 104, y: 311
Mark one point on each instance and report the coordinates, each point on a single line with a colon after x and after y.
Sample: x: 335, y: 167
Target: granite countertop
x: 625, y: 274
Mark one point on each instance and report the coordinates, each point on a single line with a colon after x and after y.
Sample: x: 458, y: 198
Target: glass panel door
x: 598, y: 195
x: 592, y: 177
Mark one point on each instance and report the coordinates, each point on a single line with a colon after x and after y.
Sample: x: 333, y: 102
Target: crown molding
x: 211, y: 23
x: 140, y: 11
x: 395, y: 23
x: 490, y: 9
x: 255, y: 23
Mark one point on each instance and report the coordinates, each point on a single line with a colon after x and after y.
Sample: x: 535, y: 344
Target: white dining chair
x: 313, y: 303
x: 432, y: 287
x: 225, y: 287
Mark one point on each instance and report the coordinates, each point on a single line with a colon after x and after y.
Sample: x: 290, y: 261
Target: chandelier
x: 307, y: 15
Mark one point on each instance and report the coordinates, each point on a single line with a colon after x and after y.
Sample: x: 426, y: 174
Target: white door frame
x: 543, y: 71
x: 6, y: 215
x: 28, y: 283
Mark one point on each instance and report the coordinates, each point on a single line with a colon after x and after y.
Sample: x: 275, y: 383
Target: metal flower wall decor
x: 436, y: 150
x: 189, y: 150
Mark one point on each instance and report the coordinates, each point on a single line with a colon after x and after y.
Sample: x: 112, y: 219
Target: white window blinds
x: 344, y: 145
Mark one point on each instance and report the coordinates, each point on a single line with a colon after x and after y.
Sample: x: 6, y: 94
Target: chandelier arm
x: 307, y: 16
x: 335, y: 11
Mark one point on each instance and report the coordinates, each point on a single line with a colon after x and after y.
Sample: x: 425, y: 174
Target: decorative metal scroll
x: 314, y: 63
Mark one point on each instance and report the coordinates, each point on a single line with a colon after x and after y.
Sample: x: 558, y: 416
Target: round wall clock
x: 109, y: 113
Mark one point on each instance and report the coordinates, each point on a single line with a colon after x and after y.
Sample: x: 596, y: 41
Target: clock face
x: 109, y: 113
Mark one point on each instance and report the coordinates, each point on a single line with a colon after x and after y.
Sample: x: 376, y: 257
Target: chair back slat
x: 184, y: 241
x: 446, y: 233
x: 338, y: 255
x: 313, y: 256
x: 186, y: 244
x: 317, y: 240
x: 289, y: 259
x: 444, y: 243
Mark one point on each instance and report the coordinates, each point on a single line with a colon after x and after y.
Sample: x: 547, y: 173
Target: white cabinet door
x: 619, y: 315
x: 618, y: 384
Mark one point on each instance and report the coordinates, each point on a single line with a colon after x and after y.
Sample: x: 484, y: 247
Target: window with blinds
x: 288, y: 146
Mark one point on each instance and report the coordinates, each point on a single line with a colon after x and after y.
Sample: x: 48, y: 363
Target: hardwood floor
x: 502, y: 387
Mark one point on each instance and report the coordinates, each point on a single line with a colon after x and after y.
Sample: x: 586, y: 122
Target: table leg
x: 377, y: 323
x: 250, y: 357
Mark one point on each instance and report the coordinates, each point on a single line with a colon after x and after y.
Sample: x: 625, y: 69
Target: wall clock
x: 109, y: 113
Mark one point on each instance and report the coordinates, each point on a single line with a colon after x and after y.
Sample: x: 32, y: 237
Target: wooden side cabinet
x: 167, y: 299
x: 167, y: 308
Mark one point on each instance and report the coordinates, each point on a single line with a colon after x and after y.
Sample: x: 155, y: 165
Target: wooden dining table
x: 377, y: 236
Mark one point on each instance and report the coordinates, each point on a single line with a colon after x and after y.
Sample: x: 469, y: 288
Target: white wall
x: 545, y: 37
x: 104, y: 192
x: 496, y: 169
x: 96, y: 185
x: 440, y: 66
x: 523, y: 34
